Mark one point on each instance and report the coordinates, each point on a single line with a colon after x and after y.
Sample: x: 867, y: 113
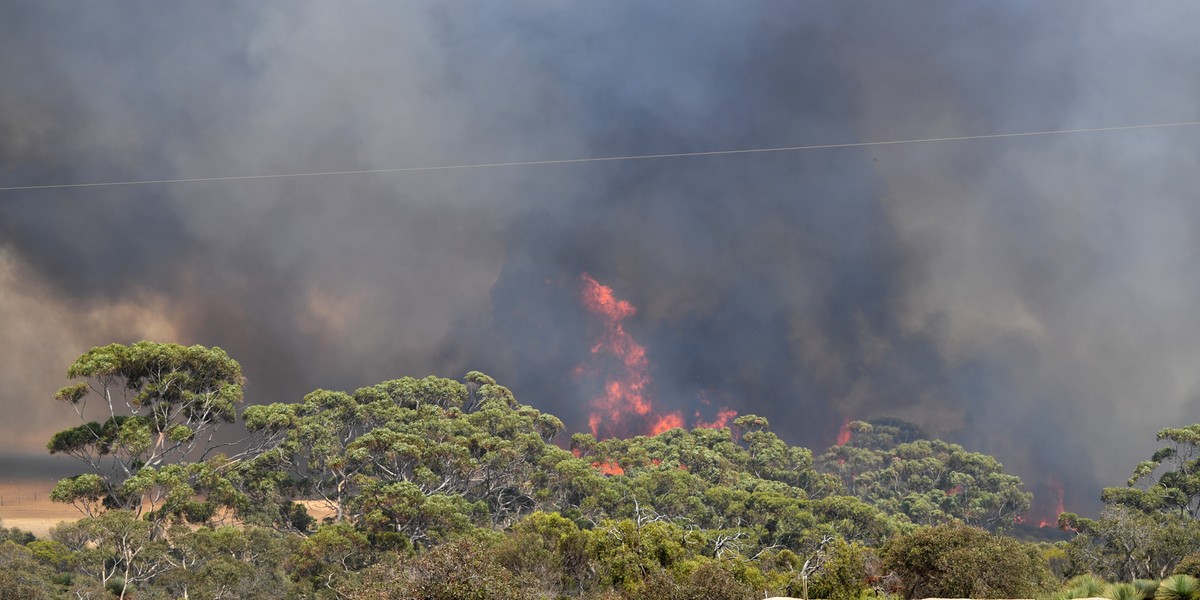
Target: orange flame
x: 666, y: 422
x: 844, y: 433
x: 608, y: 468
x: 724, y: 414
x: 1052, y: 520
x: 624, y: 406
x: 625, y: 390
x: 723, y: 417
x: 1045, y: 520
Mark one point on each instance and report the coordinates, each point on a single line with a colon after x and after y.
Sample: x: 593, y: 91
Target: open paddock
x: 26, y: 505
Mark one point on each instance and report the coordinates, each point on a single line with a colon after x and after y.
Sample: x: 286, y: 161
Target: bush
x: 712, y: 581
x: 1178, y: 587
x: 459, y: 570
x: 957, y: 561
x: 1190, y: 565
x: 1124, y: 591
x: 709, y: 581
x: 844, y: 576
x: 1084, y: 586
x: 1146, y: 588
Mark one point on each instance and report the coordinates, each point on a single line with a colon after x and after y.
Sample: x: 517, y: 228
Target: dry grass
x: 26, y: 504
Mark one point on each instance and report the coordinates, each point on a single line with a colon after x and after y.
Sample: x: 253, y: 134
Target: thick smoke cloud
x: 1031, y: 298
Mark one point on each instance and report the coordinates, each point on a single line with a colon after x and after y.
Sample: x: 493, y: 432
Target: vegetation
x: 959, y: 561
x: 434, y: 488
x: 889, y: 464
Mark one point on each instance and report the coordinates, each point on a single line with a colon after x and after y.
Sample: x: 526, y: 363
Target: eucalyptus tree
x: 1152, y: 522
x: 417, y: 457
x: 1169, y: 481
x: 159, y: 407
x: 929, y: 481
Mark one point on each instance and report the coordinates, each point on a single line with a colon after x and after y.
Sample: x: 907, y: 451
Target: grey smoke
x: 1030, y: 298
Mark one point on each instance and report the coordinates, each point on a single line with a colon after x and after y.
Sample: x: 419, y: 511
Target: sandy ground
x: 26, y: 504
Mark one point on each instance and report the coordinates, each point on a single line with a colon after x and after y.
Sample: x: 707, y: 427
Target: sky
x: 1034, y: 298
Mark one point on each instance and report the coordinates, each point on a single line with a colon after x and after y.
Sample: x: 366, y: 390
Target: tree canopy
x: 435, y: 488
x: 160, y: 405
x: 889, y: 465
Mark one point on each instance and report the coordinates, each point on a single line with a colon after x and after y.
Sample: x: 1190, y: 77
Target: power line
x: 567, y: 161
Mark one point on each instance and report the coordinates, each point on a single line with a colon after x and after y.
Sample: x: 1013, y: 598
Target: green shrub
x: 1084, y: 586
x: 1146, y: 588
x: 1123, y: 591
x: 844, y: 575
x: 957, y: 561
x: 1178, y: 587
x: 1190, y: 565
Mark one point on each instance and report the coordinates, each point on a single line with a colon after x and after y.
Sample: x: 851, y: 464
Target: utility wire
x: 567, y: 161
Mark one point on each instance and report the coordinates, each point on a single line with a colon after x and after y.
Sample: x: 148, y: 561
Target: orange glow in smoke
x: 1048, y: 514
x: 1052, y: 520
x: 844, y: 432
x: 724, y: 416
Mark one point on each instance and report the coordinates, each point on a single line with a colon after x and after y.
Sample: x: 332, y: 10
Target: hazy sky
x: 1034, y: 298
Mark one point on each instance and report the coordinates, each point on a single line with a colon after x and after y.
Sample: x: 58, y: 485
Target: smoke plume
x: 1032, y: 298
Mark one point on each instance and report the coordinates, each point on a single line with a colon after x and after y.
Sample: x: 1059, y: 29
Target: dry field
x: 26, y: 504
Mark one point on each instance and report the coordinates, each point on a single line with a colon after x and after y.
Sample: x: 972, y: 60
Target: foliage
x: 21, y: 575
x: 1178, y: 587
x: 844, y: 575
x: 1176, y: 488
x: 958, y: 561
x: 436, y: 488
x: 161, y: 403
x: 1146, y: 588
x: 1124, y: 591
x: 1189, y: 565
x: 1125, y: 543
x: 1084, y: 586
x: 453, y: 571
x: 889, y: 465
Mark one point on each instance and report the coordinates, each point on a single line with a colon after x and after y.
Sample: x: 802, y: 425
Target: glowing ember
x: 844, y: 433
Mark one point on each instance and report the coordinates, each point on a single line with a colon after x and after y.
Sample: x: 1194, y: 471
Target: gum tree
x: 159, y: 405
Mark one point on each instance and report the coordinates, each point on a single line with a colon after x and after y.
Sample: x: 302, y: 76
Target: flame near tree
x: 624, y: 406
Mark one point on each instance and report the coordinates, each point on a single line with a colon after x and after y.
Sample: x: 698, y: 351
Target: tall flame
x: 624, y: 406
x: 625, y: 387
x: 844, y: 433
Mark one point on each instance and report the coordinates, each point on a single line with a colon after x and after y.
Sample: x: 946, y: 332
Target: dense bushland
x: 434, y: 488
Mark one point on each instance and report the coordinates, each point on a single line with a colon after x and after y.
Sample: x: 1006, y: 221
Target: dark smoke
x: 1031, y: 298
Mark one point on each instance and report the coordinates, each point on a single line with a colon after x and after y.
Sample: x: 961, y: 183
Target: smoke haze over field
x: 1033, y: 298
